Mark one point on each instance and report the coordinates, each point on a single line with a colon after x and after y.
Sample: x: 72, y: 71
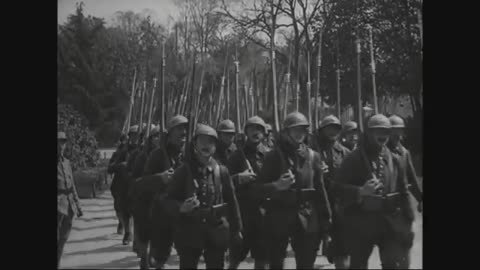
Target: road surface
x: 93, y: 243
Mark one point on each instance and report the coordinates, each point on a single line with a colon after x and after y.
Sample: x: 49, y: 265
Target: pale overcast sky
x: 106, y: 8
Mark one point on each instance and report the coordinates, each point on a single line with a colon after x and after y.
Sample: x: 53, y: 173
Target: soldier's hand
x: 79, y: 212
x: 324, y: 167
x: 189, y: 204
x: 420, y: 207
x: 285, y: 181
x: 246, y: 176
x: 370, y: 187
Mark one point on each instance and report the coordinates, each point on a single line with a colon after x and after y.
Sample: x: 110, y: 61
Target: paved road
x: 94, y: 244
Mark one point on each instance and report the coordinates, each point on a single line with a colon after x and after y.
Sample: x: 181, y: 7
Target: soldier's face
x: 205, y: 146
x: 178, y: 135
x: 255, y: 133
x: 61, y: 145
x: 156, y: 140
x: 380, y: 136
x: 226, y: 138
x: 332, y: 132
x: 397, y: 135
x: 132, y: 137
x: 298, y: 134
x: 351, y: 137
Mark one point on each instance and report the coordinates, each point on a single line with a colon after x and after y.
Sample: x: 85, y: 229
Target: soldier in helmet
x: 139, y: 211
x: 204, y: 205
x: 120, y: 184
x: 244, y: 166
x: 332, y: 153
x: 298, y: 210
x: 350, y: 135
x: 371, y: 185
x: 396, y: 147
x: 269, y: 139
x: 158, y: 171
x: 226, y: 146
x: 68, y: 204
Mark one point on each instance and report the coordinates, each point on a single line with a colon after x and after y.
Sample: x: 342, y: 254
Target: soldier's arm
x: 75, y: 193
x: 344, y: 187
x: 416, y: 188
x: 319, y: 184
x: 268, y: 174
x: 231, y: 199
x: 111, y: 162
x: 174, y: 190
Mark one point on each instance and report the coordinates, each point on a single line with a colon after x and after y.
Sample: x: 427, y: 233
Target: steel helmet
x: 226, y: 126
x: 396, y: 121
x: 379, y: 121
x: 256, y: 120
x: 330, y: 120
x: 176, y: 121
x: 61, y: 135
x: 350, y: 126
x: 203, y: 129
x: 295, y: 119
x: 133, y: 129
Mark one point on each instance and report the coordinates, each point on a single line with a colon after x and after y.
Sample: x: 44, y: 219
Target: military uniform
x: 384, y: 219
x: 348, y: 128
x: 249, y: 158
x: 333, y: 154
x: 224, y: 152
x: 302, y: 212
x: 68, y: 204
x: 167, y: 156
x: 119, y: 188
x: 207, y: 229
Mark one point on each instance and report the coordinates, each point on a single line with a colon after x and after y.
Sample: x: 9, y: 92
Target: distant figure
x: 68, y: 204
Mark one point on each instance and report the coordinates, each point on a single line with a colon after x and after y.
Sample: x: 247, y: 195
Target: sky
x: 106, y: 8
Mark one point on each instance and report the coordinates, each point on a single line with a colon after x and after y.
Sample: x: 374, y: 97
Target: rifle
x: 317, y: 90
x: 309, y: 89
x: 372, y: 64
x: 132, y: 101
x: 237, y: 97
x: 140, y: 126
x: 162, y: 89
x: 149, y: 121
x: 222, y: 88
x: 287, y: 84
x: 339, y: 104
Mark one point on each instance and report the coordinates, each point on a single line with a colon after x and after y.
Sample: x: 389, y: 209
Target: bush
x: 82, y: 149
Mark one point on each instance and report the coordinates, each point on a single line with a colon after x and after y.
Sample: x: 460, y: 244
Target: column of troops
x: 225, y: 193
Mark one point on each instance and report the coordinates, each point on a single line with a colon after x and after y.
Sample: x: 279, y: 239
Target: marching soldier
x: 350, y: 135
x: 298, y: 209
x: 140, y: 211
x: 371, y: 185
x: 396, y: 147
x: 226, y: 146
x: 158, y: 171
x: 120, y: 184
x: 204, y: 205
x: 244, y: 165
x: 332, y: 153
x: 68, y: 204
x: 269, y: 139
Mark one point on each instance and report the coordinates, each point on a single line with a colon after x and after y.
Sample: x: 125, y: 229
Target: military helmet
x: 203, y: 129
x: 133, y: 129
x: 226, y: 126
x: 268, y: 127
x: 295, y: 119
x: 61, y: 135
x: 330, y: 120
x: 350, y: 126
x: 379, y: 121
x: 256, y: 120
x: 155, y: 130
x: 396, y: 121
x: 176, y: 121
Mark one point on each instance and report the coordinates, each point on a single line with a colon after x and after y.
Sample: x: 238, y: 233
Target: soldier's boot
x: 341, y: 262
x: 234, y: 264
x: 260, y: 264
x: 127, y: 238
x: 144, y: 263
x: 120, y: 228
